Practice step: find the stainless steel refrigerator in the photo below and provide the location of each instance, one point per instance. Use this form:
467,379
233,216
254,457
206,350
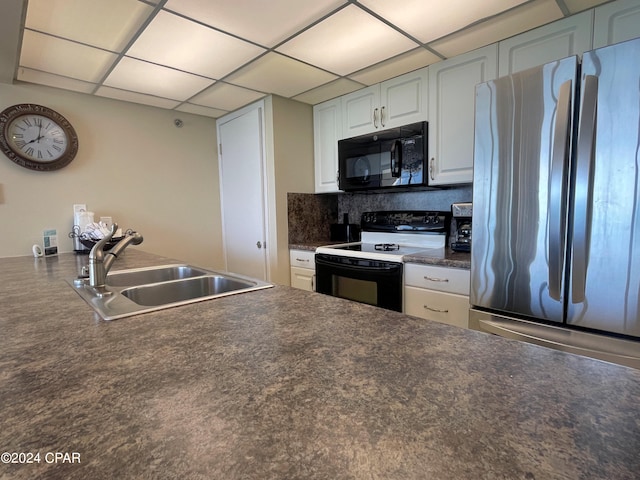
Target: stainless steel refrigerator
556,205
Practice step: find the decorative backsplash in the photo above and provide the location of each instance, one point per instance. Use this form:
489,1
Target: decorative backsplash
310,215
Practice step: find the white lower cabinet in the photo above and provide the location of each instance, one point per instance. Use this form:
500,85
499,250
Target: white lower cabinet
437,293
303,269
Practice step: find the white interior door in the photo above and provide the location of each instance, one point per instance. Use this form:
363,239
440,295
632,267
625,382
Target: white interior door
242,192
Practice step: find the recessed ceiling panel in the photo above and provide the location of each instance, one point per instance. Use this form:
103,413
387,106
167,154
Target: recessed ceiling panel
347,41
519,20
109,25
135,97
226,97
144,77
280,75
65,58
335,89
65,83
200,110
264,22
179,43
428,20
576,6
407,62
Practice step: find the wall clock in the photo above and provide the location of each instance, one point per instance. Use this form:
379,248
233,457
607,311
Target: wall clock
37,137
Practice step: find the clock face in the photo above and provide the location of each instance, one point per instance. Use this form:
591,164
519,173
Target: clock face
37,137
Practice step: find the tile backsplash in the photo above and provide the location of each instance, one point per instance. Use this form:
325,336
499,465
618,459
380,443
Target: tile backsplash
310,215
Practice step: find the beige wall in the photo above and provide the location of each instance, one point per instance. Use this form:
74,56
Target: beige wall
289,131
133,164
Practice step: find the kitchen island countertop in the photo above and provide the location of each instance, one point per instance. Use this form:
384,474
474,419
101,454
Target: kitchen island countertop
287,384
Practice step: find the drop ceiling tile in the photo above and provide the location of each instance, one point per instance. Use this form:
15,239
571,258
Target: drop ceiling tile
576,6
109,25
518,20
347,41
226,97
180,43
50,80
200,110
264,22
135,97
428,20
334,89
281,75
65,58
394,67
143,77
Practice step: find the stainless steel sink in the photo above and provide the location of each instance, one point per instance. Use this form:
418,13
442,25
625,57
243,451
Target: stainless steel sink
181,290
141,290
141,276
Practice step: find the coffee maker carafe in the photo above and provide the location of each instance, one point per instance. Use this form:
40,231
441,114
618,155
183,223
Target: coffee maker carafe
462,213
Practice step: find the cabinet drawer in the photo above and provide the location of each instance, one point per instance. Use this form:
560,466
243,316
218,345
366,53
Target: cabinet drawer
303,278
441,307
451,280
303,259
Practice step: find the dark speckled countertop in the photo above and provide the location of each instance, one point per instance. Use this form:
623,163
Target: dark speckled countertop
287,384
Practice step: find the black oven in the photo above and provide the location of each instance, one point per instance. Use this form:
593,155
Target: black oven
386,159
374,282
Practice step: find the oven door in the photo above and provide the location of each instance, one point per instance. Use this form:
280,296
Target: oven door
374,282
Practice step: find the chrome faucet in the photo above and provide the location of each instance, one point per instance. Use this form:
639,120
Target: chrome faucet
100,261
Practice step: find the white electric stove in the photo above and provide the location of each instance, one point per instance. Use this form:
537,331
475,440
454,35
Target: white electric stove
370,271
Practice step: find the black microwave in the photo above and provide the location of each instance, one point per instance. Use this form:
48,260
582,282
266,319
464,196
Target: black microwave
391,158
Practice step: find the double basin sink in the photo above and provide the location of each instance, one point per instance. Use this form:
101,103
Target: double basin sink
140,290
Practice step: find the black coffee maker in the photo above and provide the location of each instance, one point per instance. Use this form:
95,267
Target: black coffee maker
462,213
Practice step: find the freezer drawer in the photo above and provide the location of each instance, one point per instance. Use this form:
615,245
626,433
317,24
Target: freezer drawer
610,349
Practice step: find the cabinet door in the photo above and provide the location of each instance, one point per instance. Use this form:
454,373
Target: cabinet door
561,39
451,113
358,109
327,130
616,22
440,307
403,100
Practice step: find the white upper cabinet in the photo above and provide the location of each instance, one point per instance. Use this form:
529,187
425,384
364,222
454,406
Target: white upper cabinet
393,103
327,130
566,37
616,22
451,113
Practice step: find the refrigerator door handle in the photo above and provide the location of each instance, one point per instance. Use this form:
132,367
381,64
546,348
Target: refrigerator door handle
583,188
557,190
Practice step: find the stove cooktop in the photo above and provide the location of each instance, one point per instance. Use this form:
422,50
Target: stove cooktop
392,235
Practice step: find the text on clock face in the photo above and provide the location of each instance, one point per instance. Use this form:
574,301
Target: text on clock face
38,137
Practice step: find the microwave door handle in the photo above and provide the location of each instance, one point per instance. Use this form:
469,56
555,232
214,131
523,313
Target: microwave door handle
583,188
557,191
396,158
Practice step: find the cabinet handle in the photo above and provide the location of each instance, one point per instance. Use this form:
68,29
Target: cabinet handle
302,260
382,116
431,162
436,279
259,244
375,118
436,310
